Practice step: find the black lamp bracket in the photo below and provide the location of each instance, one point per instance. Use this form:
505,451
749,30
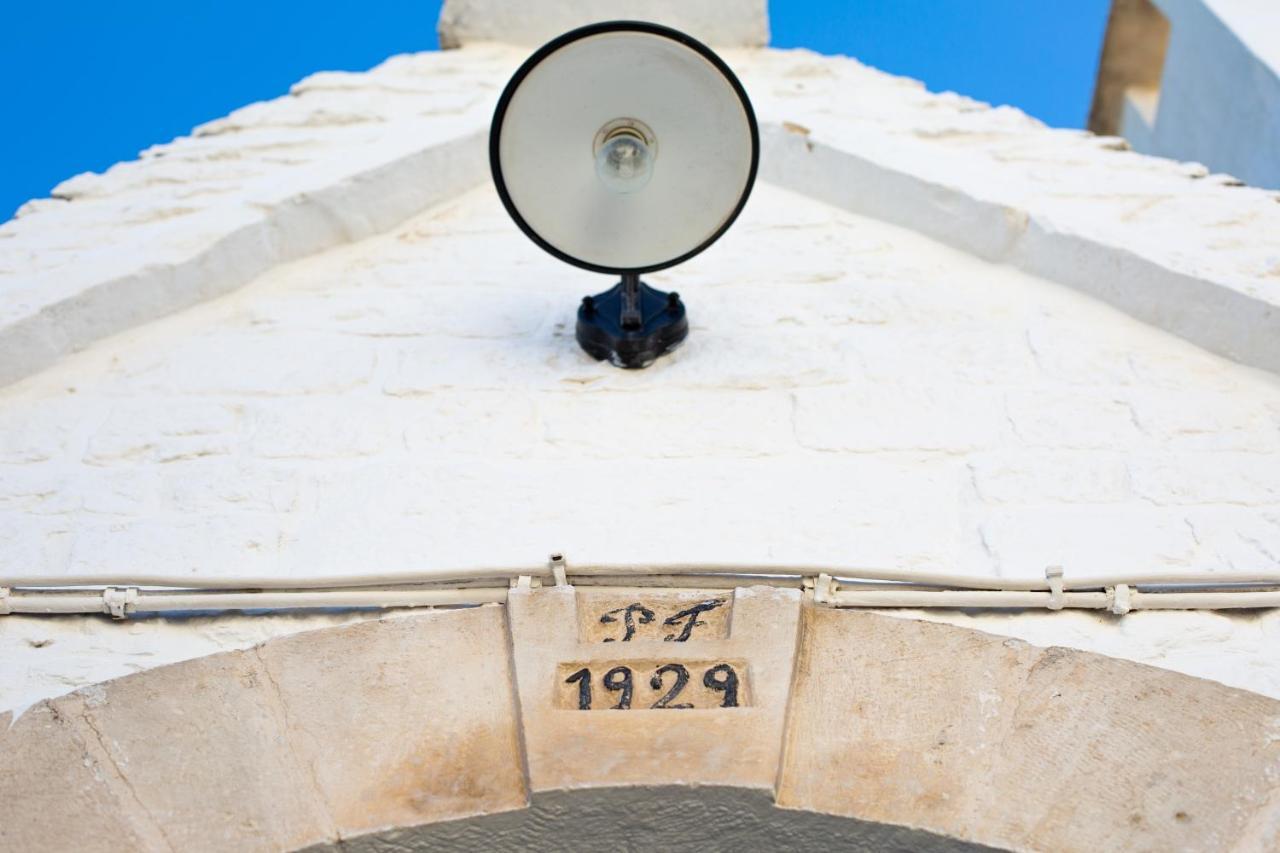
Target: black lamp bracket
631,324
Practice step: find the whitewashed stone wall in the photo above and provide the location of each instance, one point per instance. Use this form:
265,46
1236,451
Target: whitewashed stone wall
854,392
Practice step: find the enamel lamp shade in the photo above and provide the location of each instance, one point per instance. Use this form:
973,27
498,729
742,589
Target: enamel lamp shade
623,148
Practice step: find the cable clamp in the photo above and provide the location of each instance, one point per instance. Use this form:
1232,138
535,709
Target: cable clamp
824,589
559,569
1119,599
5,607
1057,599
526,582
120,601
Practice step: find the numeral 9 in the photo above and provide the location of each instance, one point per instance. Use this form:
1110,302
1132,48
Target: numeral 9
728,685
619,678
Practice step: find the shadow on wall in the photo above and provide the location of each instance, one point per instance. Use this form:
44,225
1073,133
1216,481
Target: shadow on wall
649,818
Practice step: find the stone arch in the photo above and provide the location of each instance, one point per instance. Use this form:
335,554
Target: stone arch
884,730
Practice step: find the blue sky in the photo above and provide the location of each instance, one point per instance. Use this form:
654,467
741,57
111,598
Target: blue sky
90,83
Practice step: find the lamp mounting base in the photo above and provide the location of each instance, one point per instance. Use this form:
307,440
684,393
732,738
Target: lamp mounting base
631,324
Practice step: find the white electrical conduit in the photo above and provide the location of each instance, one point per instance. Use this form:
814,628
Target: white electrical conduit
999,599
1120,594
630,574
121,602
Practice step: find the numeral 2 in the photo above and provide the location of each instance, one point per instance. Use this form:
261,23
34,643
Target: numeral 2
682,678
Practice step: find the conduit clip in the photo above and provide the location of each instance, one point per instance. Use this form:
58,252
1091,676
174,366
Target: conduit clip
1119,599
824,589
526,582
5,608
559,569
1057,600
120,601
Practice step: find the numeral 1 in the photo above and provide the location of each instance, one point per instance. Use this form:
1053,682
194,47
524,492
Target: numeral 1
583,677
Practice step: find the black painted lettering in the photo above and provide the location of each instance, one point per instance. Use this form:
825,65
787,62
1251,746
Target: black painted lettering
628,619
583,677
619,679
691,616
682,678
728,685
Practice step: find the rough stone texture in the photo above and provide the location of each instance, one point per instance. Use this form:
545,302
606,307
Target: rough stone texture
368,733
997,742
726,23
59,792
203,750
852,395
570,748
878,400
602,616
407,721
342,157
304,739
992,423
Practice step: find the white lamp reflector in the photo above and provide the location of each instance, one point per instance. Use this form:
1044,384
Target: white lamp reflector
624,147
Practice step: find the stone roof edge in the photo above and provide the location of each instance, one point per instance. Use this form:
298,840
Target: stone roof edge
356,205
1214,314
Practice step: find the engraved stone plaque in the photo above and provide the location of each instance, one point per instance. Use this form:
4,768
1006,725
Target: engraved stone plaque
653,685
672,616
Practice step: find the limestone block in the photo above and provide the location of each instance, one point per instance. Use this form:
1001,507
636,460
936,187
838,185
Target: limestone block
405,720
995,741
57,794
717,22
897,418
611,733
178,429
658,423
884,722
1071,420
1219,421
202,748
1017,476
1194,478
1088,539
1168,763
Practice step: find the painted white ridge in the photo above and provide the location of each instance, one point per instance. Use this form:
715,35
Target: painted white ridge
1240,323
342,157
349,155
1188,252
739,23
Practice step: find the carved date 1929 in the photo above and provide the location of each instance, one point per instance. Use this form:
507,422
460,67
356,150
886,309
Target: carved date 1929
720,678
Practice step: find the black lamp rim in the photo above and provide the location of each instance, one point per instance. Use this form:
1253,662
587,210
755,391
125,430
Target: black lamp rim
499,115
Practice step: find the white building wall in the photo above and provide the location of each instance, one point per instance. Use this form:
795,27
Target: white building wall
1219,100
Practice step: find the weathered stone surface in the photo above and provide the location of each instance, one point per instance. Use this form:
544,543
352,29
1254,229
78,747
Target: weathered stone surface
57,792
570,748
624,614
996,741
382,726
403,721
202,748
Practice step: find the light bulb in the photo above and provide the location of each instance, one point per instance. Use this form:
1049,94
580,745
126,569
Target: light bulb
624,156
